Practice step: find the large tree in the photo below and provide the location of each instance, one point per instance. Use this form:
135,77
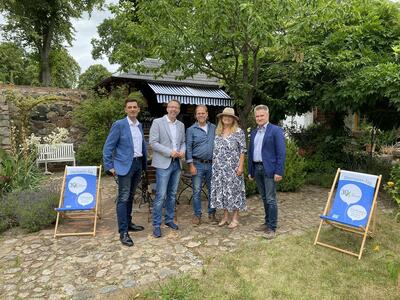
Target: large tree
292,55
345,60
224,39
64,69
17,66
43,25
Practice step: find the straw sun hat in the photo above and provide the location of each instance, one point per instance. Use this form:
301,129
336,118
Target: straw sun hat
228,111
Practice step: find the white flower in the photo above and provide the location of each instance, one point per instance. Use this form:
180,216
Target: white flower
58,136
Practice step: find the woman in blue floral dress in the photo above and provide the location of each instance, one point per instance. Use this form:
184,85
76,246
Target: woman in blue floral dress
227,183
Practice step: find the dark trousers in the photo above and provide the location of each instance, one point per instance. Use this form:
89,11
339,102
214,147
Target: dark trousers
126,190
267,188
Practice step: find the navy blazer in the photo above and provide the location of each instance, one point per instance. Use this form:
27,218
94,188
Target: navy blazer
118,148
273,151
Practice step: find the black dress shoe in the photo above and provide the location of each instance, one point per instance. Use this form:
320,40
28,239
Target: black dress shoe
126,239
133,227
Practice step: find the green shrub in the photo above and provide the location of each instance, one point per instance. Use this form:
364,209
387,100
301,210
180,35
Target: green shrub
8,213
40,215
294,176
317,164
320,179
251,187
362,162
393,186
322,141
96,115
32,210
18,172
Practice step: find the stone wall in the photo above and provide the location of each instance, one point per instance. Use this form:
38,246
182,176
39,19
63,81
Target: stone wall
4,124
45,117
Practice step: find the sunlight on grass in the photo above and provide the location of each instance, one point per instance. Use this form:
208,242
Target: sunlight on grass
291,267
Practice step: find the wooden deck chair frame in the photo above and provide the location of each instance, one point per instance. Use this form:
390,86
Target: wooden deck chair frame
364,232
90,214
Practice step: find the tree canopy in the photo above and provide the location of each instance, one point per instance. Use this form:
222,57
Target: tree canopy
17,66
43,25
291,55
344,60
223,39
92,76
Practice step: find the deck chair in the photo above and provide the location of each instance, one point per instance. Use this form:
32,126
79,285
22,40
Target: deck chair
80,197
352,208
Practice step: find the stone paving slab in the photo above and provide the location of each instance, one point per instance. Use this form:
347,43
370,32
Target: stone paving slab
37,266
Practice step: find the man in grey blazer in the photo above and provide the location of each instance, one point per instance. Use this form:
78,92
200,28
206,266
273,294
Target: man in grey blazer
167,139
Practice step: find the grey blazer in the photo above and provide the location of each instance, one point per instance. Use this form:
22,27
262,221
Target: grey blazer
160,140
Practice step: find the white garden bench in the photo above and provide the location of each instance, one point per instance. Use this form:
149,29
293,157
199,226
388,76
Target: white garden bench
55,153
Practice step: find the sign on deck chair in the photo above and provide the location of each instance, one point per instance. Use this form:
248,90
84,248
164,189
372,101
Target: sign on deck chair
353,206
80,197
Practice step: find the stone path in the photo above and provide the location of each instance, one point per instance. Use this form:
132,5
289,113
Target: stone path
37,266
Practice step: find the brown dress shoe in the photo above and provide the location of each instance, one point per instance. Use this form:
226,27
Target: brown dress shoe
196,221
262,227
270,234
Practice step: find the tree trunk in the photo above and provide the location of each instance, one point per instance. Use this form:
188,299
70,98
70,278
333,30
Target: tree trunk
45,75
44,51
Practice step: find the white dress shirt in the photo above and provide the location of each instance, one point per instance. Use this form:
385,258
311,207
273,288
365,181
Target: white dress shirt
137,137
172,128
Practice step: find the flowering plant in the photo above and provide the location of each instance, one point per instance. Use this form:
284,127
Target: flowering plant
393,186
58,136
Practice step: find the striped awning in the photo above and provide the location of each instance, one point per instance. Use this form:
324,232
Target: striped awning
191,95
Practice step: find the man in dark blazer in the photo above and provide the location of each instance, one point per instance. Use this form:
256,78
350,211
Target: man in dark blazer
266,162
124,156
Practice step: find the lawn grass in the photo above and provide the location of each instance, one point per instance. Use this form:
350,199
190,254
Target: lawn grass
291,267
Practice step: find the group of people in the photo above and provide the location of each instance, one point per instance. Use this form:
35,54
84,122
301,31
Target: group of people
215,155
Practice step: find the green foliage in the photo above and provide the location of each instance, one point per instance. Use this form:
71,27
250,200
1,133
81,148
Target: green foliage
251,186
8,216
18,172
294,176
43,26
40,214
92,76
181,288
393,186
327,144
16,65
341,56
176,34
31,210
96,114
65,69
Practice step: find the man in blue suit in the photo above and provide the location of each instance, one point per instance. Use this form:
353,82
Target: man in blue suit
267,153
124,156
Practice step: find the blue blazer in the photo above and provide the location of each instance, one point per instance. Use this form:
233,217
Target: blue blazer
273,151
118,148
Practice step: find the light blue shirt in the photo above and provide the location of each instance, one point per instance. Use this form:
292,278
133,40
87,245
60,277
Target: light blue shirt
258,141
200,142
136,138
